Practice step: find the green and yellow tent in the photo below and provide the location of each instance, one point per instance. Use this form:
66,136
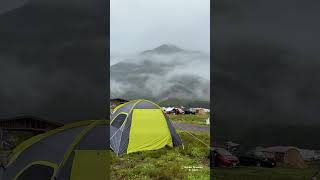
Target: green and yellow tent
77,151
141,125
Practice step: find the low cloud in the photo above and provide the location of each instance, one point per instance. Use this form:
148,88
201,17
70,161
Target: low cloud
178,75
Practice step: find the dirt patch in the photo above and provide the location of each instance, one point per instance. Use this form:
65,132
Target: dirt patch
191,127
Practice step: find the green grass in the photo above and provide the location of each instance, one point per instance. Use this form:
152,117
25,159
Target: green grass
167,163
189,118
253,173
314,164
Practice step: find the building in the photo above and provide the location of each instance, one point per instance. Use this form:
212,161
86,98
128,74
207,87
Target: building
16,129
28,123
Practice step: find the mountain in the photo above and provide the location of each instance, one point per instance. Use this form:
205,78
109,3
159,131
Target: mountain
164,49
161,75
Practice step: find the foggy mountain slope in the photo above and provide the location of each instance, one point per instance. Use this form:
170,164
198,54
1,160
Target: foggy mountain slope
52,64
266,95
266,74
9,5
164,72
267,64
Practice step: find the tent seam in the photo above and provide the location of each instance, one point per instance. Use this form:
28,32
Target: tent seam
126,122
74,143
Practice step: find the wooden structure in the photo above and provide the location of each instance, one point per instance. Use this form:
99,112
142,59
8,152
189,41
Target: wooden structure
28,123
14,130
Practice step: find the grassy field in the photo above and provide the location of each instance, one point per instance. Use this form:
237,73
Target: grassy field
192,162
253,173
189,118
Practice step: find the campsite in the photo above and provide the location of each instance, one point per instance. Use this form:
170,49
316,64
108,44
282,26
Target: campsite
265,163
264,173
190,161
160,146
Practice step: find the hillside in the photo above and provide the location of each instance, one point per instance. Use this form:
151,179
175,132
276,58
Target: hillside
164,72
185,103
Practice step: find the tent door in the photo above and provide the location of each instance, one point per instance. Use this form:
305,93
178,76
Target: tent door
149,130
90,164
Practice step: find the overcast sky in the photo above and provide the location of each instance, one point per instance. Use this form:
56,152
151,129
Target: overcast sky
144,24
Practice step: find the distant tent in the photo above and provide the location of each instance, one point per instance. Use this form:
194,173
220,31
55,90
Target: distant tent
141,125
285,155
76,151
200,110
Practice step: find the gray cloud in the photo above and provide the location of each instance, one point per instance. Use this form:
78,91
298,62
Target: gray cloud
181,75
10,5
141,24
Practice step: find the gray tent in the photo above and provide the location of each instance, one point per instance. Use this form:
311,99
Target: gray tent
141,125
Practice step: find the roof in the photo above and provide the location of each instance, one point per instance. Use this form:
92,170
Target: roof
22,117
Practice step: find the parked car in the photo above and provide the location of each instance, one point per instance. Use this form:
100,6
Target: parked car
256,159
316,157
189,112
225,158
